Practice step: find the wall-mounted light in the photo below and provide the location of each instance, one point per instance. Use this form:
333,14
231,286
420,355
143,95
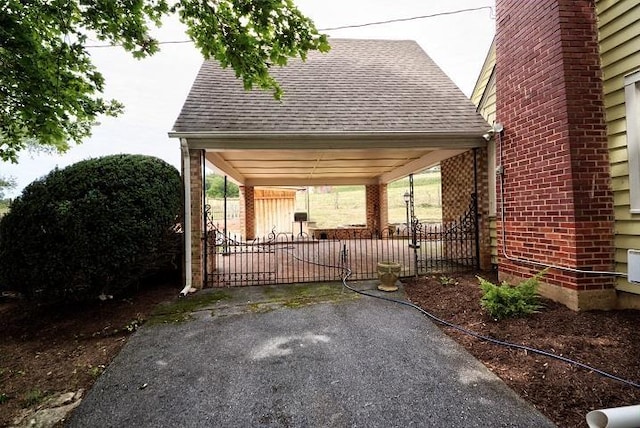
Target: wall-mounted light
495,129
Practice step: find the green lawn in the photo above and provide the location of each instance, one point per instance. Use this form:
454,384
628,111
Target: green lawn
344,205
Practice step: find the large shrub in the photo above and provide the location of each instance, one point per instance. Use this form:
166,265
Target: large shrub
96,227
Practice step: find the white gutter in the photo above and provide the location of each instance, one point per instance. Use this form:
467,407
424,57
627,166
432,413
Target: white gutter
186,168
266,135
296,141
618,417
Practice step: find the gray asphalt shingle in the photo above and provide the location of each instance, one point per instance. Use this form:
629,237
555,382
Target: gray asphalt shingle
360,85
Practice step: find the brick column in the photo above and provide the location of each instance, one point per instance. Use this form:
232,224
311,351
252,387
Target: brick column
247,212
377,207
197,253
558,198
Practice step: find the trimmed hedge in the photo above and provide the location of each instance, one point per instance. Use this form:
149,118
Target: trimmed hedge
96,227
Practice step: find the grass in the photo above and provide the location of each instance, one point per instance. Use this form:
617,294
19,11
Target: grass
180,310
300,295
332,206
33,398
342,205
95,371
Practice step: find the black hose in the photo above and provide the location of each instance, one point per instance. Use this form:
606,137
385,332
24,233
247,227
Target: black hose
495,341
347,274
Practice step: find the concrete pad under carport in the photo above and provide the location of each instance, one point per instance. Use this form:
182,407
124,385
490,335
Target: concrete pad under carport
328,360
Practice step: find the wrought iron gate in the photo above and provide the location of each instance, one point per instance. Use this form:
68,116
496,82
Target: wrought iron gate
282,258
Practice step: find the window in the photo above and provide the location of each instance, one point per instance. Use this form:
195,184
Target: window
632,103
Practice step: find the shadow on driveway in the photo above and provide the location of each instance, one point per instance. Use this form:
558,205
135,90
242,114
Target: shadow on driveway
302,355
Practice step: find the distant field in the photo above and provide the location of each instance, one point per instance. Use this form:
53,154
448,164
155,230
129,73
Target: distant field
344,205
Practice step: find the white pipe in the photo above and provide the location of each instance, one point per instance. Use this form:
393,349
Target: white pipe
504,229
617,417
186,221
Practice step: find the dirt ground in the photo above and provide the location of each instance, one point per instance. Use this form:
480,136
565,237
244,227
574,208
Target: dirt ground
44,351
608,341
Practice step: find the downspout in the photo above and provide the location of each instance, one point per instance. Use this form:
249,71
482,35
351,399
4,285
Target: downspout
475,207
617,417
186,171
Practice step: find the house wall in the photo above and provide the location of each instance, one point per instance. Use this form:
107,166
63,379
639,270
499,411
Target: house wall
484,93
554,151
484,98
619,38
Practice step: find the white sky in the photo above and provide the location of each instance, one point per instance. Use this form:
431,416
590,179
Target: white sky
154,89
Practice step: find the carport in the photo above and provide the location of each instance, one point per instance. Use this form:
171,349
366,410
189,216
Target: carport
367,113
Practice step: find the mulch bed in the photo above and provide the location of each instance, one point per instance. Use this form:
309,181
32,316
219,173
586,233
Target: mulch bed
609,341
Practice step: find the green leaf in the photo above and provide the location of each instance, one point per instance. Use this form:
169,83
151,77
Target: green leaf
50,89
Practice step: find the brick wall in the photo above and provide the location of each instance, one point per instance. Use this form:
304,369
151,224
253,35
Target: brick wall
558,200
377,207
457,175
247,212
341,233
197,254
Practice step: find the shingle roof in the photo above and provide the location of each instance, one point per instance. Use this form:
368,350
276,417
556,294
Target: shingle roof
359,86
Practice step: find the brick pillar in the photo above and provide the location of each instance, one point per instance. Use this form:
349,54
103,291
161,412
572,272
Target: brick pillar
377,212
558,198
247,212
458,184
197,253
383,214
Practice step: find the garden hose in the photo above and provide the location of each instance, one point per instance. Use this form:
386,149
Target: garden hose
347,273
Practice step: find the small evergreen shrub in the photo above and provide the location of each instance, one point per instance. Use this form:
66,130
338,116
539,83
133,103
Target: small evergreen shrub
507,301
447,281
96,227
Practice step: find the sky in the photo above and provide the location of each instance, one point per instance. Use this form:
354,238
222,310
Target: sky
154,89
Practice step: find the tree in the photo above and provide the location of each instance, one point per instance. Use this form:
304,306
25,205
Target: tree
6,183
50,90
214,187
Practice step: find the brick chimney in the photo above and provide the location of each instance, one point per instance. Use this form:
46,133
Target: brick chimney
557,192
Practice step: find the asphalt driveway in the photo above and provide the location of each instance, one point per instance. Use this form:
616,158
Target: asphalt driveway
294,356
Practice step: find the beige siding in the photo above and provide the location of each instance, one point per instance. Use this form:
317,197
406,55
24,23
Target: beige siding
619,32
493,233
484,93
484,98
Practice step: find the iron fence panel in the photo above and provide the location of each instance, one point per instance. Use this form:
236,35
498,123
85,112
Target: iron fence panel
282,258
